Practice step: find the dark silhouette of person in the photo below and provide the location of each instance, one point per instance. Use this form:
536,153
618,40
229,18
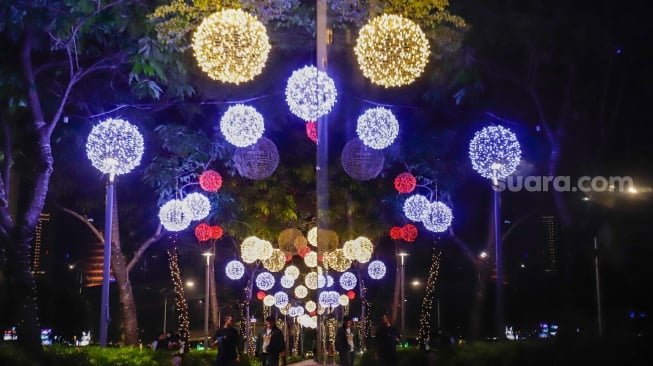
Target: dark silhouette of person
227,340
273,344
344,342
387,337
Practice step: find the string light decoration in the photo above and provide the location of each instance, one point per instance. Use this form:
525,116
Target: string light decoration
203,232
495,152
114,146
174,215
377,128
181,306
361,162
376,269
348,280
311,130
265,281
429,293
409,233
276,261
310,93
242,125
301,291
235,270
231,46
210,180
438,218
416,206
257,161
405,183
198,205
391,50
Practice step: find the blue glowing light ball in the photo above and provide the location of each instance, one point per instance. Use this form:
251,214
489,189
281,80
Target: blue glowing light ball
495,152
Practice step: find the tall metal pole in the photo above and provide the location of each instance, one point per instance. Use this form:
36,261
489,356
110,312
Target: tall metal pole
206,299
104,305
403,293
599,316
165,313
498,260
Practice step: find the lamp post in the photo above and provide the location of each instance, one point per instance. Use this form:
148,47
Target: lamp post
206,298
403,255
114,147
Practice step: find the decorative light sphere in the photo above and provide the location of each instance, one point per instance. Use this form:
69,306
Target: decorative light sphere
310,259
310,306
257,161
198,205
287,281
231,46
366,248
415,207
405,182
376,269
438,218
351,295
310,93
276,261
311,130
234,270
329,281
268,300
265,249
174,215
249,249
265,281
301,291
377,128
260,295
216,232
312,236
280,299
361,162
311,280
242,125
114,146
348,280
409,233
495,152
395,233
292,272
391,50
343,300
210,180
203,232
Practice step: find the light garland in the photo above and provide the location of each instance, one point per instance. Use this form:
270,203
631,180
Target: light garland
438,218
427,302
265,281
198,205
494,152
114,146
210,180
377,128
235,270
242,125
174,215
310,93
415,207
391,50
231,46
348,280
376,269
181,306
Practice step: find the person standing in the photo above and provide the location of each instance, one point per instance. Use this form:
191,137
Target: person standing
387,338
345,342
273,343
227,340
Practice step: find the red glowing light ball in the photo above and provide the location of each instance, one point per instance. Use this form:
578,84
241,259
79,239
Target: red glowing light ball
288,258
260,295
409,233
351,295
405,183
311,130
303,251
395,232
210,181
203,232
216,232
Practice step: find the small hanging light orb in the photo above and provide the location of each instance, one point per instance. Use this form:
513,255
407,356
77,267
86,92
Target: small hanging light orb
216,232
310,259
310,306
249,249
405,182
242,125
203,232
351,294
409,233
391,50
268,300
376,269
260,295
292,271
210,180
310,93
438,218
265,281
264,249
377,128
301,291
348,280
257,161
198,205
415,207
235,270
287,281
366,248
174,215
231,46
343,300
311,280
280,299
114,146
395,233
361,162
495,152
276,261
350,249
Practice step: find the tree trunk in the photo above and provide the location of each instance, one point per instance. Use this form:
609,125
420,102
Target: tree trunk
181,306
213,294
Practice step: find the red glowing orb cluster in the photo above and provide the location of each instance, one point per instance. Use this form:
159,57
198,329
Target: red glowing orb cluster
405,183
210,181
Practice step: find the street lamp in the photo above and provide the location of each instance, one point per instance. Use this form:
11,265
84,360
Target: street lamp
402,255
114,147
206,298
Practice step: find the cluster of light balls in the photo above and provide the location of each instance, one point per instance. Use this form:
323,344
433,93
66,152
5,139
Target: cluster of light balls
391,50
253,248
114,146
494,152
310,93
176,215
436,216
242,125
359,249
231,46
377,128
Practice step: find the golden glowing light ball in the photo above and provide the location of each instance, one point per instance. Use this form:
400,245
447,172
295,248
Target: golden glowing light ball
391,50
231,46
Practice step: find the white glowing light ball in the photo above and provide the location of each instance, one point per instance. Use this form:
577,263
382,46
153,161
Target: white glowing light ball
234,270
265,281
495,152
438,217
114,146
268,300
348,280
310,306
310,259
377,128
292,271
280,299
287,281
376,269
311,280
343,300
310,93
416,206
311,236
242,125
198,205
174,215
301,291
